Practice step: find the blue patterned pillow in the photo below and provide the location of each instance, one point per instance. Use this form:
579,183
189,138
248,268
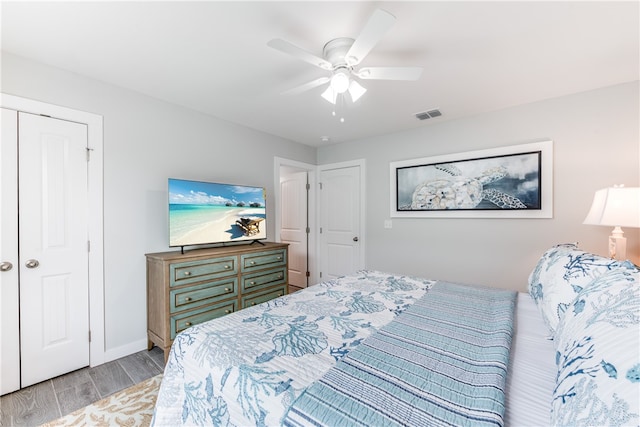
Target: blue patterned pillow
561,273
598,354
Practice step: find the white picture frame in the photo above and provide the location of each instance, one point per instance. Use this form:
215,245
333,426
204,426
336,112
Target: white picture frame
473,184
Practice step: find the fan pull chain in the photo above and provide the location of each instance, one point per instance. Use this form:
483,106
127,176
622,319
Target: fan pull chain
339,105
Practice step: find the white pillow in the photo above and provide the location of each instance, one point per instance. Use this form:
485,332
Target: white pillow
598,354
561,273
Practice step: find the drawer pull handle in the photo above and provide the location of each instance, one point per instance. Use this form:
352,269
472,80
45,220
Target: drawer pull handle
227,311
252,283
227,266
187,324
227,289
279,258
187,273
252,263
187,299
253,303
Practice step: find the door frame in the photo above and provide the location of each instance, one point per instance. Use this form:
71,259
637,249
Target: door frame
279,162
361,235
94,124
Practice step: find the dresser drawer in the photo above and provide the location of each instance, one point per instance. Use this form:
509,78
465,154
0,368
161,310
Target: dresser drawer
263,279
260,297
260,260
182,321
196,271
205,293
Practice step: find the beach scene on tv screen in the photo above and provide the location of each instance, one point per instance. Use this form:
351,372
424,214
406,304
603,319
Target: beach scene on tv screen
203,212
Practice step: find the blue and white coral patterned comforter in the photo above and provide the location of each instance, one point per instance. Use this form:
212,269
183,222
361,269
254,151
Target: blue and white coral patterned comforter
248,367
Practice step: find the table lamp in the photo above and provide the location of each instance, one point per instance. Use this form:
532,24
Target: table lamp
616,206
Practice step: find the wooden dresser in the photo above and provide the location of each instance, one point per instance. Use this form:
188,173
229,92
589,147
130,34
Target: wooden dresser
202,284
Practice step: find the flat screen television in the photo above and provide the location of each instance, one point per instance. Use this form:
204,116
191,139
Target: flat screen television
207,212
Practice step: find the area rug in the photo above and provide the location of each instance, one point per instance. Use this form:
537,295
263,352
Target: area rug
130,407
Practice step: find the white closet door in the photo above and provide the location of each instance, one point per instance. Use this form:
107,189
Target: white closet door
293,196
341,235
53,224
9,316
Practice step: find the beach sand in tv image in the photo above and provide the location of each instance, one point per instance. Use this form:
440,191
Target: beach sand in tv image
201,213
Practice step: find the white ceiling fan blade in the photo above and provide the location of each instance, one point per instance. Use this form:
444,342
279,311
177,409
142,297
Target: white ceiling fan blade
307,86
286,47
378,24
356,90
390,73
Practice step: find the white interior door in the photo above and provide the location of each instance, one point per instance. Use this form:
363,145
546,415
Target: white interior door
340,222
293,208
53,224
9,315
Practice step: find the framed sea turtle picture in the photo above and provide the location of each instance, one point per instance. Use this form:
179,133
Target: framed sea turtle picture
505,182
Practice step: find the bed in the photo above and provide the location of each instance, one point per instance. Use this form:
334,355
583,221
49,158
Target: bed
373,348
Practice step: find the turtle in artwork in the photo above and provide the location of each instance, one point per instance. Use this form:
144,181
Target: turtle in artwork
460,192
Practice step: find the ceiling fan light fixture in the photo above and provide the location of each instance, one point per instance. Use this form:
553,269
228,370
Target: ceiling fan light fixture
330,95
340,81
356,90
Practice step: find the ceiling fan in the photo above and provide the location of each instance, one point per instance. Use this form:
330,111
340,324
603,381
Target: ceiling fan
341,58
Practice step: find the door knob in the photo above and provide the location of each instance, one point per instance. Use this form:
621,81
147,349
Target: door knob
355,239
6,266
32,263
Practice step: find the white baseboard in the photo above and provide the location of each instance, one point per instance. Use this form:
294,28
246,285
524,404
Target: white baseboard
125,350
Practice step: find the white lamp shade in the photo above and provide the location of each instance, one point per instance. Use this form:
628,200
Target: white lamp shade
615,206
356,90
330,95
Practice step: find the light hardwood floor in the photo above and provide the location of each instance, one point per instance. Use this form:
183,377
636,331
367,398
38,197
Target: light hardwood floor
60,396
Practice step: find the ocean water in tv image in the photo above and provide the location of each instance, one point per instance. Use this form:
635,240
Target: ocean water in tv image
204,212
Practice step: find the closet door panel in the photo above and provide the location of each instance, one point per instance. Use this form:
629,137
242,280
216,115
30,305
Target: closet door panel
54,297
9,316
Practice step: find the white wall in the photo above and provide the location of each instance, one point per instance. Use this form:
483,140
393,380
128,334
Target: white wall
147,141
596,144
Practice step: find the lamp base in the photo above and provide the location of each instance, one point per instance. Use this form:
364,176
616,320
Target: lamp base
617,245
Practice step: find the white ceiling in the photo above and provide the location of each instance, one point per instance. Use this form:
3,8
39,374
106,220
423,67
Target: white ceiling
213,56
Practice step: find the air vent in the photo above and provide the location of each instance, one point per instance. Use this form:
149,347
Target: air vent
428,114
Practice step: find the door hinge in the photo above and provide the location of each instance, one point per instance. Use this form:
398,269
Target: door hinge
88,245
89,150
89,336
308,186
308,274
320,230
307,230
321,274
320,185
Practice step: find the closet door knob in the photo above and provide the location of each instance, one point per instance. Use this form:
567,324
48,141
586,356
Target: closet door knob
32,263
6,266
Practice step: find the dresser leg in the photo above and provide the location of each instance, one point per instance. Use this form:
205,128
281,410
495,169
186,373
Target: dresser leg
149,344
